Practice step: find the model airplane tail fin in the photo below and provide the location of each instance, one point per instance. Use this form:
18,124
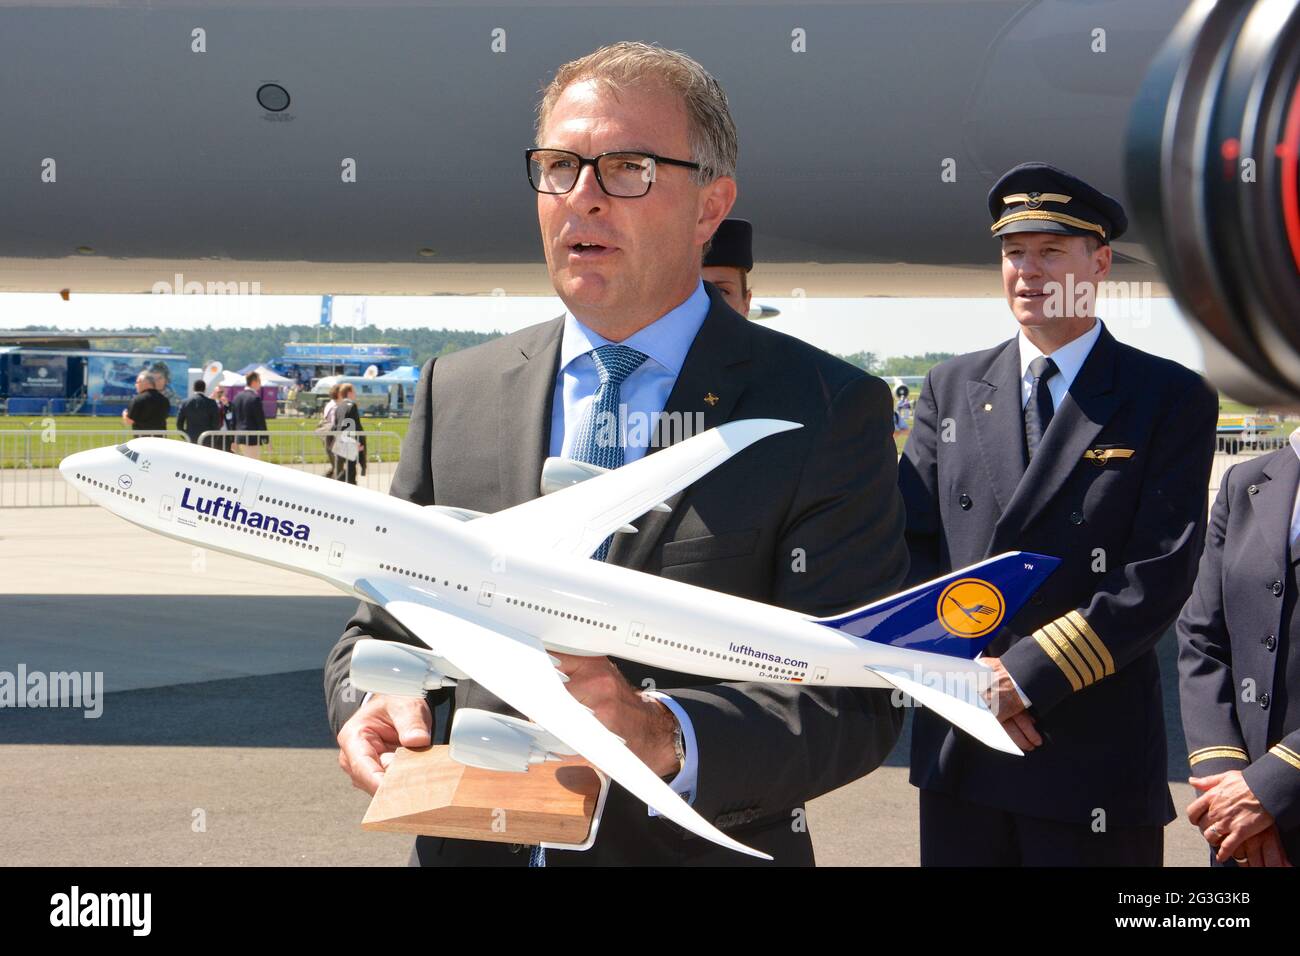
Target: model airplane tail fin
956,615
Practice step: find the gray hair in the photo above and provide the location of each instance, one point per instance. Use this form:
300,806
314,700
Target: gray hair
147,377
711,131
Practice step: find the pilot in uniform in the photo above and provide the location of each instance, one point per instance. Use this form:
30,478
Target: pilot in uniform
728,260
1239,664
1096,453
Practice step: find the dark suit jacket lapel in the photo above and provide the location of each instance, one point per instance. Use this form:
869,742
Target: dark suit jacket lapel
716,366
524,415
1271,508
1085,410
995,407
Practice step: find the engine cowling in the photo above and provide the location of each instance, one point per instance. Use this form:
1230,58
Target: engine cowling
480,738
386,667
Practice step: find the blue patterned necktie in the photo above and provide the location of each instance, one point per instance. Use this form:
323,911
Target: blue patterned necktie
600,436
600,442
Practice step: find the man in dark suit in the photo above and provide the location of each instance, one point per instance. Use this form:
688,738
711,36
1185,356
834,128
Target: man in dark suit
199,414
250,417
1239,667
1066,442
809,519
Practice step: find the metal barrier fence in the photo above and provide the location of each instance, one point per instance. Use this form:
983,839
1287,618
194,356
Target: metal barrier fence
29,458
1231,449
30,478
305,451
29,461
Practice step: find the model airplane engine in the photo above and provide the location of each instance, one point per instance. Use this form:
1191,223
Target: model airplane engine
385,667
491,741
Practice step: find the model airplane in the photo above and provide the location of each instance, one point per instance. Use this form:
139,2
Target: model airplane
491,595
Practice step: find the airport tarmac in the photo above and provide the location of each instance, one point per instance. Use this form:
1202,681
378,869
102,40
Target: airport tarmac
213,746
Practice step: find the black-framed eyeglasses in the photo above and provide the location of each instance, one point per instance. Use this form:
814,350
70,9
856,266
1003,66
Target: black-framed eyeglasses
624,174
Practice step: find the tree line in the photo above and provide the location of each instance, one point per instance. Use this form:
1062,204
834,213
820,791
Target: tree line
236,348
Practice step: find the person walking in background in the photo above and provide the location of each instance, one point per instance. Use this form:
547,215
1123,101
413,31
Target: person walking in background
326,426
250,417
199,414
227,424
348,449
148,410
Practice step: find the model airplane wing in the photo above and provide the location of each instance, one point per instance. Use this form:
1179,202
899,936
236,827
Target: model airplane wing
516,668
577,519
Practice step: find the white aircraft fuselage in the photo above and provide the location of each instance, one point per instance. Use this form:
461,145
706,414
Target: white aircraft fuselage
342,534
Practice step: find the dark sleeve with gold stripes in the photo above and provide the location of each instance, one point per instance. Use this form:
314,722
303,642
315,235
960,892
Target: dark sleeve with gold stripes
1275,780
1146,585
1206,687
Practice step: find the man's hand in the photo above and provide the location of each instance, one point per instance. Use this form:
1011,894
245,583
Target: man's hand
372,735
1008,707
645,724
1263,849
1227,814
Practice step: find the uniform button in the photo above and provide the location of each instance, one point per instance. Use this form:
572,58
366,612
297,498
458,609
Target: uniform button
1276,588
1252,489
1076,517
1270,642
965,502
1263,701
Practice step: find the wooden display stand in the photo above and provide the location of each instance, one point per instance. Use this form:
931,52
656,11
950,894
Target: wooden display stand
427,793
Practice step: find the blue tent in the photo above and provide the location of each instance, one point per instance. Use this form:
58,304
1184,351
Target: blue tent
403,374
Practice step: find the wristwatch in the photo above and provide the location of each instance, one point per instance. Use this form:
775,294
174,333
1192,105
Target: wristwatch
679,746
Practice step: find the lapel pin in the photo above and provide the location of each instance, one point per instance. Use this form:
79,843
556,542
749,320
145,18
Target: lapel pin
711,398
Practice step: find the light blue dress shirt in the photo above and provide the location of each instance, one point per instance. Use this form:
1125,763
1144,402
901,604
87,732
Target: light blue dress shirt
643,396
645,392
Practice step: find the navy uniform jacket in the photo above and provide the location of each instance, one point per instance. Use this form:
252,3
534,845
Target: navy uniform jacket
1129,530
1234,629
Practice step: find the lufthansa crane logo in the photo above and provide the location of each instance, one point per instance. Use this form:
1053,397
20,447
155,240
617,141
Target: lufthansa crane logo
970,608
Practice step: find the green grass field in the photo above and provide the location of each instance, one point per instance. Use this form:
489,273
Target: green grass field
35,442
295,444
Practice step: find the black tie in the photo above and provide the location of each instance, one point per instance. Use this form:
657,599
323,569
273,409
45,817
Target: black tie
1038,413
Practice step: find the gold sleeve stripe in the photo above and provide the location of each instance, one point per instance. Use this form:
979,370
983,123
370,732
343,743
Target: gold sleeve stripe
1071,654
1050,216
1236,750
1214,753
1287,754
1084,628
1081,644
1049,648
